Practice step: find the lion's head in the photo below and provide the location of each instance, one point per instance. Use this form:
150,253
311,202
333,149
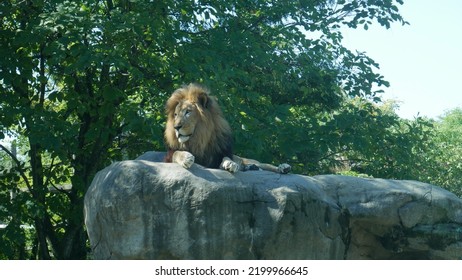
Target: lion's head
195,124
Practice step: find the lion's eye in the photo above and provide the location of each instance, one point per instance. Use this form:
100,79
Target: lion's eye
187,113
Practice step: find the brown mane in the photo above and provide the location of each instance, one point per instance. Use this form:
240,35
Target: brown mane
212,138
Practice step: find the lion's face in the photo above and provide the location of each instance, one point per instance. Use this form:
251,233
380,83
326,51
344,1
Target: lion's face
189,115
186,117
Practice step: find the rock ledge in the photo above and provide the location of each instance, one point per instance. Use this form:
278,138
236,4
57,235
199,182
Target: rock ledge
142,209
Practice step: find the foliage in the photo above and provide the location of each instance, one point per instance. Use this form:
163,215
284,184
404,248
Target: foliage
71,88
83,83
444,159
395,148
421,149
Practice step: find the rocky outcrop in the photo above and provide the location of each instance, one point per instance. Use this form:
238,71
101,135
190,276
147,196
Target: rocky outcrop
143,209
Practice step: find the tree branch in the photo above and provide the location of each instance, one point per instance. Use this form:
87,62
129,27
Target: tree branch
18,164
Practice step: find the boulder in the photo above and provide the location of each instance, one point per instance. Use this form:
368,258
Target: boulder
146,209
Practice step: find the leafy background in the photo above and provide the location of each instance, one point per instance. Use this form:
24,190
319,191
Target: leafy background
83,83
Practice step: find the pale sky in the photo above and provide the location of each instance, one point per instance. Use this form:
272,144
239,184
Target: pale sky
422,61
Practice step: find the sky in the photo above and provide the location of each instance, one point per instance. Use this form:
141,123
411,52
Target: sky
422,61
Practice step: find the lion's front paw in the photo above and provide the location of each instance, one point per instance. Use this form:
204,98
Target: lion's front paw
188,160
284,168
184,159
229,165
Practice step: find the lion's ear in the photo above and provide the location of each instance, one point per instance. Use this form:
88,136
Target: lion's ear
173,101
203,100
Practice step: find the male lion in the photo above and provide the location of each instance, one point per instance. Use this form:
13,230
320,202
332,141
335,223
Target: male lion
196,131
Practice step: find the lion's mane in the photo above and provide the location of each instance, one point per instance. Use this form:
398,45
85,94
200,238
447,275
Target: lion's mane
212,137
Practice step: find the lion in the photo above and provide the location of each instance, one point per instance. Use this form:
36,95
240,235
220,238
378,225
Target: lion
197,132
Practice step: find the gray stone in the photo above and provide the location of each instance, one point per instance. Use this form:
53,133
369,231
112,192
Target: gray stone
145,209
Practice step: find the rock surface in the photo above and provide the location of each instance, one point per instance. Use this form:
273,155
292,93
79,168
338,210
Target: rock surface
143,209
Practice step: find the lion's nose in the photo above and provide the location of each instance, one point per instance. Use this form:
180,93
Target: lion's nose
177,127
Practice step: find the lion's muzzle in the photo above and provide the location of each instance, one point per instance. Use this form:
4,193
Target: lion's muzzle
182,137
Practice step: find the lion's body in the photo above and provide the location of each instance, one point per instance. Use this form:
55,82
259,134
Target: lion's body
196,131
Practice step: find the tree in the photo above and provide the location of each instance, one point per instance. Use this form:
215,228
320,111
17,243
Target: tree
391,147
84,83
444,167
422,149
69,88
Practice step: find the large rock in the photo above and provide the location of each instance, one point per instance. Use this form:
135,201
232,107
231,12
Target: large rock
143,209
